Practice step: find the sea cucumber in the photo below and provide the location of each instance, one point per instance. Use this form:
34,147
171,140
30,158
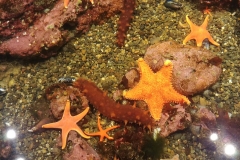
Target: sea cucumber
109,108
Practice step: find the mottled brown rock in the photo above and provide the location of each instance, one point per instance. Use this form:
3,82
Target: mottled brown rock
194,68
59,93
173,118
50,31
131,78
80,150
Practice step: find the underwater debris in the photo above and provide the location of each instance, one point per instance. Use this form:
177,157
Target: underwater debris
38,126
2,91
66,80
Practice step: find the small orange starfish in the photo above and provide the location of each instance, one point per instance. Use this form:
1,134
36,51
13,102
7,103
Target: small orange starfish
155,88
68,123
199,33
102,133
207,11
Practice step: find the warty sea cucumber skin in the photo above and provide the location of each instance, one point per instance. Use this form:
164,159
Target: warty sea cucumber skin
109,108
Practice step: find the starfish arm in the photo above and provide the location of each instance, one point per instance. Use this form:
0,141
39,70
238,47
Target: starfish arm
155,107
64,137
138,92
189,37
58,125
103,135
174,96
81,132
81,115
66,3
134,93
108,137
111,128
166,70
199,43
191,24
144,67
100,134
212,41
92,2
93,134
99,125
205,23
199,39
66,112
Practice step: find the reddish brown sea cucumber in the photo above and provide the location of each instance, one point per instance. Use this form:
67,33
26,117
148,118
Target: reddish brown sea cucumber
109,108
124,20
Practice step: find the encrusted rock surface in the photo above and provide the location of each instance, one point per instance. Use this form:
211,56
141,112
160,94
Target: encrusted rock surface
53,29
194,69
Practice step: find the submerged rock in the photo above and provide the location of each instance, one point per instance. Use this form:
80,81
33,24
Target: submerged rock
194,68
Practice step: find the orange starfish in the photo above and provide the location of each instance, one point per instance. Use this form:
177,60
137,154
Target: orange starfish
65,2
207,11
199,33
155,88
102,133
68,123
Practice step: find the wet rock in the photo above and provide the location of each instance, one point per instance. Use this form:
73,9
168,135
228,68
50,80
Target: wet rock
194,68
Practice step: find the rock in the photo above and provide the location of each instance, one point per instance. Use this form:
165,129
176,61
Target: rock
173,118
194,68
51,30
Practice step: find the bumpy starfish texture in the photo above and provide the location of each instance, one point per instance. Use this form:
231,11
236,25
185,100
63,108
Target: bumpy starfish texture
102,133
199,33
68,123
155,88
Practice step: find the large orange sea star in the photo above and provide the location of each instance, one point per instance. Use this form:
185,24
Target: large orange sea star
155,88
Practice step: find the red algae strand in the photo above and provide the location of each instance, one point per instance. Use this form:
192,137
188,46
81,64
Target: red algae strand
124,20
